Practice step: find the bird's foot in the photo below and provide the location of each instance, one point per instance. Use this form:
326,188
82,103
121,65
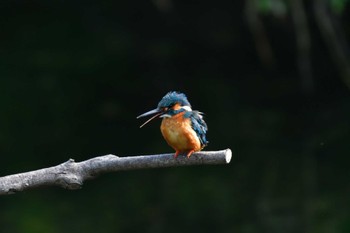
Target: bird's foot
190,153
176,154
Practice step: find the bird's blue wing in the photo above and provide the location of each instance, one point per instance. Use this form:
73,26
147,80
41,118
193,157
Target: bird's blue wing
198,125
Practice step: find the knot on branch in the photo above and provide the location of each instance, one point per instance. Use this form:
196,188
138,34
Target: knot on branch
69,181
70,176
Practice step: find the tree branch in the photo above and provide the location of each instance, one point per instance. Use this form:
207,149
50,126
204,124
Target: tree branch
335,40
303,44
71,175
256,26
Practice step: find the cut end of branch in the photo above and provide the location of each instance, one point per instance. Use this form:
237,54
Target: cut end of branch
228,155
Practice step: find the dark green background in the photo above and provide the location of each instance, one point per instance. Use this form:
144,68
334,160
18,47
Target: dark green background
75,74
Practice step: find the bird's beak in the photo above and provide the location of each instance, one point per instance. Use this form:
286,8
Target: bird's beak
156,111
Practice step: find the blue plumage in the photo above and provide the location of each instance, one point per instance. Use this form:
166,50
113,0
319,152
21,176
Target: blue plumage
183,128
198,125
173,97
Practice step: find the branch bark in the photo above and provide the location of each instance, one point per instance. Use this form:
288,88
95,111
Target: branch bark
71,175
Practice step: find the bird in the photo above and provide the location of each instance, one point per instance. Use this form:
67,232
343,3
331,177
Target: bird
182,128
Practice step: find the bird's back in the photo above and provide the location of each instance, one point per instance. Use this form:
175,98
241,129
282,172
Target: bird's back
198,125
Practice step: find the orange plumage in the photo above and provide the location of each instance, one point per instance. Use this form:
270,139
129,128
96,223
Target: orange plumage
183,128
178,133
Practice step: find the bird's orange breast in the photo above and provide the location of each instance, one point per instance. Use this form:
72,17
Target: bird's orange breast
178,133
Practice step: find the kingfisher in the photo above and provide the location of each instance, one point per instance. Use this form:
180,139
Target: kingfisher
182,128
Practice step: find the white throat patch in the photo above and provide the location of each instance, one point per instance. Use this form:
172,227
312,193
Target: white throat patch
187,108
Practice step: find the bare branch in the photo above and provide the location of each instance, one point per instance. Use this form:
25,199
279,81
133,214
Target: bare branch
71,175
335,40
303,41
256,26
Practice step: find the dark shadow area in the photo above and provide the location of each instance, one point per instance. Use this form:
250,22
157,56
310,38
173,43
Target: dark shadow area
272,80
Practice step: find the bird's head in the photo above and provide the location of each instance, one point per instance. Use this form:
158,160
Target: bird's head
171,104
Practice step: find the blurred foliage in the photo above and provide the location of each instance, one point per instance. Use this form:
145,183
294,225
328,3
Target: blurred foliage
275,7
75,74
279,7
339,6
